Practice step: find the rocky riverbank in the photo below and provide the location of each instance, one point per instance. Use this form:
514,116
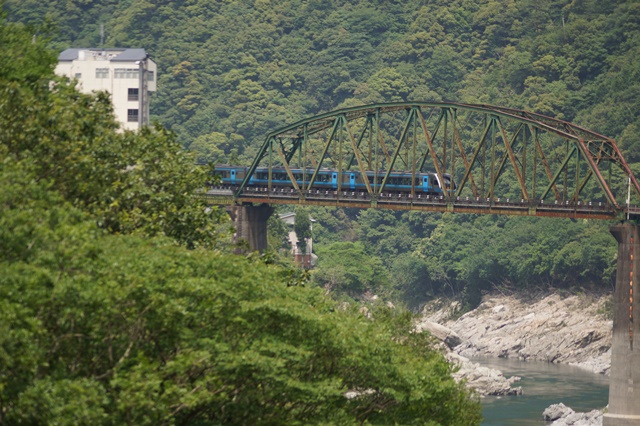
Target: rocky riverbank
561,415
572,330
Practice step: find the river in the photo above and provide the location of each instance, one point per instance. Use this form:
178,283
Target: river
542,384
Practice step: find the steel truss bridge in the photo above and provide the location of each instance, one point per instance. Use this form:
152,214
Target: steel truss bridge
504,161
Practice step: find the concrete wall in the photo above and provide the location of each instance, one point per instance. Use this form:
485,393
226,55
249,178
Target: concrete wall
624,388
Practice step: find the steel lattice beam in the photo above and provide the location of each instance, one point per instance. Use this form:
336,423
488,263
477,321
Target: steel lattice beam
472,143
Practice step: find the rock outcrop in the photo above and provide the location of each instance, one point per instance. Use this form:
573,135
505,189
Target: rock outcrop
561,415
568,330
440,332
484,380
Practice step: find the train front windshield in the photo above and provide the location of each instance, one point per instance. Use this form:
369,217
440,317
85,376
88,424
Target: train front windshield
447,182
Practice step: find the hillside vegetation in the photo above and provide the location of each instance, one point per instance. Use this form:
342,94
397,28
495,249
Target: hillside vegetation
120,304
231,71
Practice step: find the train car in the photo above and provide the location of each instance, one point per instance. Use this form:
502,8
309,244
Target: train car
427,183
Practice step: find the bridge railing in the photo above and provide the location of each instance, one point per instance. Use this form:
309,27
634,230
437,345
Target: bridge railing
226,194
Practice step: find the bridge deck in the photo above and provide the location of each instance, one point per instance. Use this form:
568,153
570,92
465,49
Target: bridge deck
225,195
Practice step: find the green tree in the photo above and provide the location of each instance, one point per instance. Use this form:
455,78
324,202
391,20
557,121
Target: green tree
347,268
92,333
104,319
302,227
131,182
208,150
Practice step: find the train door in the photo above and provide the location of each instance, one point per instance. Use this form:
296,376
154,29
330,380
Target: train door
425,183
352,180
233,177
334,180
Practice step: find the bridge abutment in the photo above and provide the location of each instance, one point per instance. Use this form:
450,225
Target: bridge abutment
624,387
251,225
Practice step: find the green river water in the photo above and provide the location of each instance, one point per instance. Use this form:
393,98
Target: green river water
543,384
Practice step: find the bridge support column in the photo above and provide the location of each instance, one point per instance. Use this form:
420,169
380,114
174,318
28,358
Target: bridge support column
624,386
251,225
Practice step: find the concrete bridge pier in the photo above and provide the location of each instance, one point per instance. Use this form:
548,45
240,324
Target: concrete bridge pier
624,386
251,225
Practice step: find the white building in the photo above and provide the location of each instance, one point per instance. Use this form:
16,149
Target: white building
127,74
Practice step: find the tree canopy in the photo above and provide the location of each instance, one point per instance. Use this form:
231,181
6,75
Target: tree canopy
230,72
116,307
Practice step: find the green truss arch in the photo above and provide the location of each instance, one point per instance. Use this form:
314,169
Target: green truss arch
502,160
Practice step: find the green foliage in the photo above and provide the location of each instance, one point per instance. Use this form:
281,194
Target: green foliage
91,333
104,319
23,63
462,256
131,183
302,226
276,62
347,267
522,253
412,280
277,233
222,91
333,225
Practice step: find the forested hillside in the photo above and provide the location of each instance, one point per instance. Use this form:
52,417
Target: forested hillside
231,71
120,303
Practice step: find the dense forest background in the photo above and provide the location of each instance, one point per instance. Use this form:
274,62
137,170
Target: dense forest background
231,71
122,304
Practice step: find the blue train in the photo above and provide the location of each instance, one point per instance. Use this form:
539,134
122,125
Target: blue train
427,183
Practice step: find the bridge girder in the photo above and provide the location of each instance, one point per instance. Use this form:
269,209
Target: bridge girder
491,152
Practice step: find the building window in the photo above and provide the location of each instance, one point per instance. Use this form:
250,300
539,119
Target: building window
133,95
126,73
78,75
102,72
150,75
132,115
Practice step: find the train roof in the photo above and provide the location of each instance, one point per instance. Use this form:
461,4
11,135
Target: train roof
403,173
